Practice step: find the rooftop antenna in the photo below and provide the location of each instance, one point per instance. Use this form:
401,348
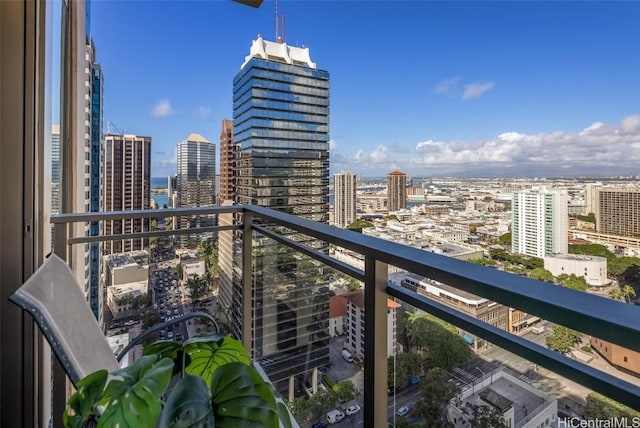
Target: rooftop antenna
113,129
279,38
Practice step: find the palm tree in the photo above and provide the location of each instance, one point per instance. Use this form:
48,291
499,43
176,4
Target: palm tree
628,292
616,294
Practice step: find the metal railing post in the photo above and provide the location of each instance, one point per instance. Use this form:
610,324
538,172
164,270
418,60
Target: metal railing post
375,343
59,394
247,280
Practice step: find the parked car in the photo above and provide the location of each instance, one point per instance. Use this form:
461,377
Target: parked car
335,416
347,356
352,410
414,380
402,411
319,425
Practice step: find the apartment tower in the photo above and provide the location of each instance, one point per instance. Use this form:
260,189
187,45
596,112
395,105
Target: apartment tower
396,191
94,109
196,177
281,129
539,223
127,186
227,156
344,192
618,211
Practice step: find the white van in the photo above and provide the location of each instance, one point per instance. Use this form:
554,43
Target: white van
347,356
335,416
538,329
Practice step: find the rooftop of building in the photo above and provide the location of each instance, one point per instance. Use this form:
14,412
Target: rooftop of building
396,173
130,288
577,257
337,306
357,298
140,258
279,52
447,289
197,138
525,399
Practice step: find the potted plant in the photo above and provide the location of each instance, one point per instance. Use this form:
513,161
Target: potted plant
213,384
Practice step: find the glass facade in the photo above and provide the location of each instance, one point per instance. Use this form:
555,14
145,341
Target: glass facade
95,204
281,133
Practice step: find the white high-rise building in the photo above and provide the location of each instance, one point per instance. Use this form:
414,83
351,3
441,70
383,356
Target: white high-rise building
344,190
539,223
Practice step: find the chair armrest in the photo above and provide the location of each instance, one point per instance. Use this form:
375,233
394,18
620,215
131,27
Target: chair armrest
165,324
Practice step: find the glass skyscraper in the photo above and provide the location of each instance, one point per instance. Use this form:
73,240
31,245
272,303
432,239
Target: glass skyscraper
281,132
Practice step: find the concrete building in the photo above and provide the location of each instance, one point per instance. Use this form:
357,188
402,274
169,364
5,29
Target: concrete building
396,191
521,405
337,316
592,268
124,268
591,197
281,130
126,187
196,161
227,159
55,169
539,223
192,266
172,191
124,300
355,324
623,358
344,191
372,204
483,309
618,211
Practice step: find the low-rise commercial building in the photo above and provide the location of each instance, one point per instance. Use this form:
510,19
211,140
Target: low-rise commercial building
123,268
623,358
520,404
124,300
592,268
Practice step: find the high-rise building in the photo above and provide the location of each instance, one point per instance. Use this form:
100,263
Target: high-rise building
281,129
55,169
344,193
618,211
590,197
196,177
127,186
94,108
227,156
172,191
539,223
396,191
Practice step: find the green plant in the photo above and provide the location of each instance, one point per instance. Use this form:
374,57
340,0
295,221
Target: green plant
216,386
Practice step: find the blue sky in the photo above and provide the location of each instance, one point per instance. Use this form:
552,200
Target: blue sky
430,88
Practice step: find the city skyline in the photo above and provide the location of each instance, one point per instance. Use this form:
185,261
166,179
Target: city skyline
432,88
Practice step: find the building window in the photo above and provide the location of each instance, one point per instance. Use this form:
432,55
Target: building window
625,359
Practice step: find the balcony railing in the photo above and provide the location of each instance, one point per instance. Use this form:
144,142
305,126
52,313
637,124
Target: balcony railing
602,318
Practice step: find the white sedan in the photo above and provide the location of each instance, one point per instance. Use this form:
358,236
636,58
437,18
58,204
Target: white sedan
352,410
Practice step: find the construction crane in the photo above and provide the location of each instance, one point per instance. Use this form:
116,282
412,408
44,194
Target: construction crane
111,128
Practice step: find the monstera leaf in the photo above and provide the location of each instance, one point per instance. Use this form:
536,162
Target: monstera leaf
189,405
84,401
241,398
169,349
206,355
134,399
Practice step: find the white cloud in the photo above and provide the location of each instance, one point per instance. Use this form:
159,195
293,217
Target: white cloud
333,146
475,89
446,85
597,144
204,112
597,148
162,109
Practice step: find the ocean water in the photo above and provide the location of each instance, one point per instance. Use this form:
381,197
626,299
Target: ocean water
159,182
161,200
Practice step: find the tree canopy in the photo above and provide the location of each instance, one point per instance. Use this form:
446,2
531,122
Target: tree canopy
562,339
445,347
358,225
505,239
541,274
407,364
437,392
603,408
